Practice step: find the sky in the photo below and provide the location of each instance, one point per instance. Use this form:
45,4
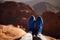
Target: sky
32,2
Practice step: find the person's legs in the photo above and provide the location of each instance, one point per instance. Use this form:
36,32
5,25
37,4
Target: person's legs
39,22
31,23
38,28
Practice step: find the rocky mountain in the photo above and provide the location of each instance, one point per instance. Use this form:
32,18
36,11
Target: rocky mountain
45,6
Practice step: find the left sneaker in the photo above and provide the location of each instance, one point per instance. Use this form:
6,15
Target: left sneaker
27,36
39,22
30,24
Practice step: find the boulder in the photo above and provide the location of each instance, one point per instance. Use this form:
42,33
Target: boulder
51,26
15,13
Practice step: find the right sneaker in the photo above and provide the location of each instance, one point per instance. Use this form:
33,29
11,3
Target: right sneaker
31,23
41,36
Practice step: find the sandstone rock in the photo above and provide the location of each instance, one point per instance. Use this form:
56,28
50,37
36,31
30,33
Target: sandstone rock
51,24
15,13
9,32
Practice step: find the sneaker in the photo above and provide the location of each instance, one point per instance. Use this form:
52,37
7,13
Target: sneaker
41,36
31,23
27,36
39,22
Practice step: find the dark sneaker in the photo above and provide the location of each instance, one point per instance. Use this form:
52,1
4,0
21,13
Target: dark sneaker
36,38
39,22
31,23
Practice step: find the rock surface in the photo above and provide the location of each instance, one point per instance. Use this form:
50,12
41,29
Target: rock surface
51,24
15,13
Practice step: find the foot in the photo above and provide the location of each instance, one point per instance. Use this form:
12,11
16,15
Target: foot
27,36
41,36
31,23
39,22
